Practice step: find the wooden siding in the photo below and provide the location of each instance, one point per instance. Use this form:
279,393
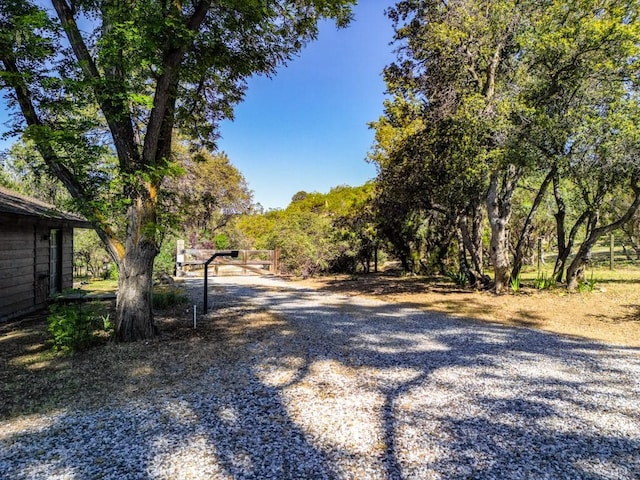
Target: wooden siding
67,258
17,267
24,265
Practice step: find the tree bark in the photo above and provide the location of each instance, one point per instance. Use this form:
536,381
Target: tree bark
471,242
134,308
134,300
499,203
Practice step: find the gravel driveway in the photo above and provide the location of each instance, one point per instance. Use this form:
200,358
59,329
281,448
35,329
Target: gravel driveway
346,388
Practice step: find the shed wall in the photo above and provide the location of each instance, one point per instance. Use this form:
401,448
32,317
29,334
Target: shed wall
24,265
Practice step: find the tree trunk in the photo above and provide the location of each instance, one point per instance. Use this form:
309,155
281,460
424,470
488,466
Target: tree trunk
499,202
575,271
134,301
499,253
563,248
134,309
471,239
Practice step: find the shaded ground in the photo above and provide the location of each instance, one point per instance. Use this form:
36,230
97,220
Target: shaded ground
610,313
285,382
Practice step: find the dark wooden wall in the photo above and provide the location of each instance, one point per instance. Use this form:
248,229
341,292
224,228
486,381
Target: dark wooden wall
24,264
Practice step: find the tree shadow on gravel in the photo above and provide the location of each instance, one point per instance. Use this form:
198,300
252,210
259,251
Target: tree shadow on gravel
279,383
492,401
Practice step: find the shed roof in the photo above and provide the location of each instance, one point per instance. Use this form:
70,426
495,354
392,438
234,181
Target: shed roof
15,204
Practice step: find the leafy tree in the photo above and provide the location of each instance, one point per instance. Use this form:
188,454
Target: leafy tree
583,97
24,171
316,232
356,230
460,60
89,253
141,69
506,90
206,194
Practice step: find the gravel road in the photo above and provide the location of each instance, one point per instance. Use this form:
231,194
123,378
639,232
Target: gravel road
335,387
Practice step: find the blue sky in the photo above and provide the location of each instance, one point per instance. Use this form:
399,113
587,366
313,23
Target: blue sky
306,128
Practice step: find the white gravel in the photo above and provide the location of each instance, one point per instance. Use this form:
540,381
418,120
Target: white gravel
346,388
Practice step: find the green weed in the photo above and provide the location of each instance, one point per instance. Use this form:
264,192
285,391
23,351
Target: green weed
167,298
585,286
515,285
459,278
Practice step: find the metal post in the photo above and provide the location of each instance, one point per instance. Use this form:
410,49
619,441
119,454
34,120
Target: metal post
206,287
232,254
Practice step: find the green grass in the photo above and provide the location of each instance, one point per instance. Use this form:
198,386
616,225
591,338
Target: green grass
100,286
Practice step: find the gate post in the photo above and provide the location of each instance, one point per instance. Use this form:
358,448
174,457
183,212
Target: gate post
179,258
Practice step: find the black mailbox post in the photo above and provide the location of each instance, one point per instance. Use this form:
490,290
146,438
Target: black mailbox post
230,253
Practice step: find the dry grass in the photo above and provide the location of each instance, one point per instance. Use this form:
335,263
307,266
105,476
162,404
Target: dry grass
610,313
34,379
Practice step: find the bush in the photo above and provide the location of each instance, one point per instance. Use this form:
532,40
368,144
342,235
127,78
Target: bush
167,298
165,262
71,326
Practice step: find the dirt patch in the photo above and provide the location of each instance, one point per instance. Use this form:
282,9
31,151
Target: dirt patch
610,313
34,379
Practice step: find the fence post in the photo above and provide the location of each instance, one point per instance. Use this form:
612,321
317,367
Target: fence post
179,258
612,244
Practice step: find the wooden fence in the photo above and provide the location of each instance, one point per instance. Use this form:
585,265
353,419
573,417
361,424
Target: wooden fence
190,262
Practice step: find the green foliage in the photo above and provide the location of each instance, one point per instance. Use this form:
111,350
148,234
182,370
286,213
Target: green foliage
107,324
542,282
165,261
168,297
205,195
513,96
459,278
515,285
72,327
586,286
317,232
89,256
221,241
101,86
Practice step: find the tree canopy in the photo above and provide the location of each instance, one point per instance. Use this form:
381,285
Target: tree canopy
102,85
488,93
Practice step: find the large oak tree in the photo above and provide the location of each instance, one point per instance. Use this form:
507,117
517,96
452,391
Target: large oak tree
96,80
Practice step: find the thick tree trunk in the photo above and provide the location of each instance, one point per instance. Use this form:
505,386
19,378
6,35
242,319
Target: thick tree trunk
575,271
134,304
134,312
499,203
499,247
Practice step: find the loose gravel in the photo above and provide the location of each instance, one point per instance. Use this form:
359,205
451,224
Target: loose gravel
336,387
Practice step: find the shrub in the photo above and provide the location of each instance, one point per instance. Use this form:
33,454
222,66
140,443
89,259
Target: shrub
71,326
167,298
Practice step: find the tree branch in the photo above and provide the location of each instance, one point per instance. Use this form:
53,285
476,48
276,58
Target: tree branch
16,80
116,112
157,142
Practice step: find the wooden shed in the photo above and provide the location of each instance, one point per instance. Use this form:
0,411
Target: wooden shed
36,252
